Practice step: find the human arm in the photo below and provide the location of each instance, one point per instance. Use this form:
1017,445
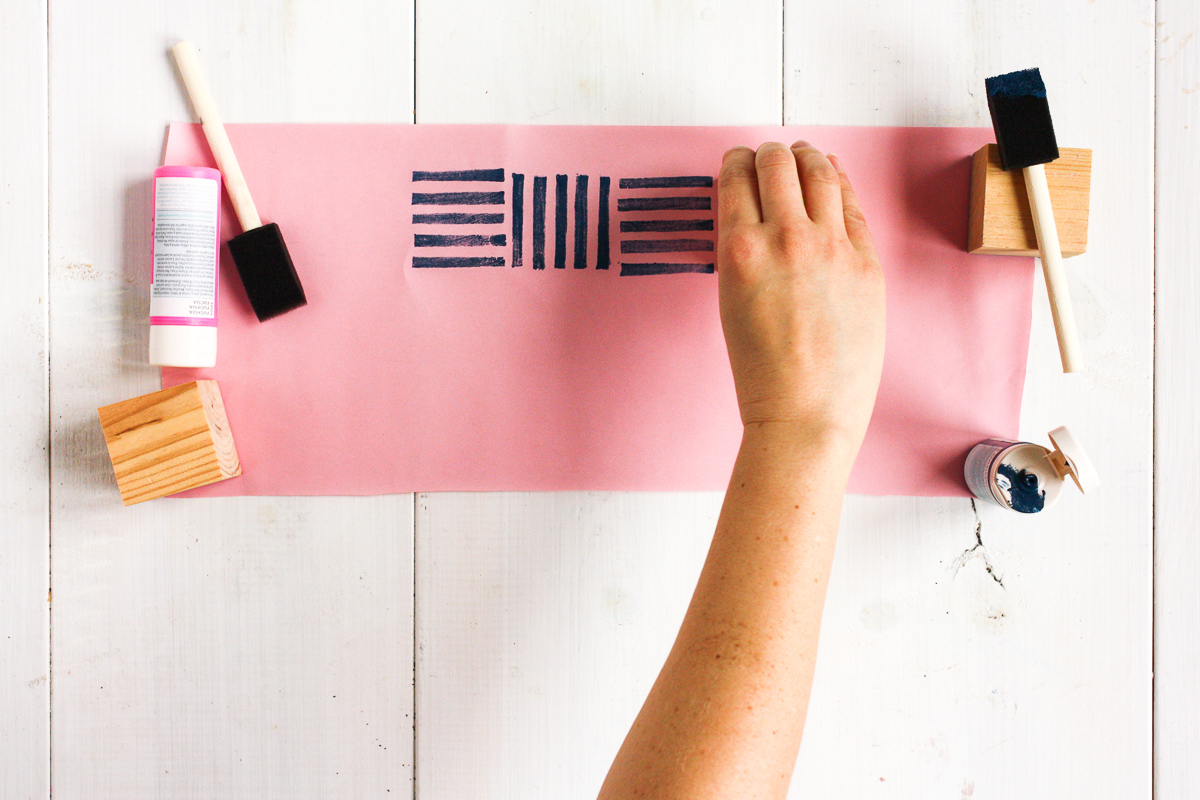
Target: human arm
801,295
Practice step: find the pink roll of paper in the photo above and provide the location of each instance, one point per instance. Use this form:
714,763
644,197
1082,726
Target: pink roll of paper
532,308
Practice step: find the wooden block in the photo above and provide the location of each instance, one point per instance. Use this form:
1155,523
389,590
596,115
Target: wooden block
1001,222
168,441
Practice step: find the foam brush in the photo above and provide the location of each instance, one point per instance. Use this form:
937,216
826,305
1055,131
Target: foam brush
1025,137
259,252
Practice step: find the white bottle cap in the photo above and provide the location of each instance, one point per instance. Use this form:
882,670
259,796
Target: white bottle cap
183,345
1070,459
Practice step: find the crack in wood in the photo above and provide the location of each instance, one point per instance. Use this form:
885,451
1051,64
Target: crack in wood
979,548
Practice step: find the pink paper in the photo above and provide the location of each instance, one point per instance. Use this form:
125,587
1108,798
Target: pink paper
401,379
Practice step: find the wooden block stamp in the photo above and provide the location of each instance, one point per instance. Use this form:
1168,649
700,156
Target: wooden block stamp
169,441
1001,222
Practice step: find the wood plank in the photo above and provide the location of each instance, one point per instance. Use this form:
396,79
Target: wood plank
543,619
938,678
25,421
215,647
1177,393
619,63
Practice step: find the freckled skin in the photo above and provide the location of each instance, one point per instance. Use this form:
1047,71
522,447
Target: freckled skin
802,307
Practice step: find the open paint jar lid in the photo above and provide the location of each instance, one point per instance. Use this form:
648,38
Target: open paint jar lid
1068,458
1028,477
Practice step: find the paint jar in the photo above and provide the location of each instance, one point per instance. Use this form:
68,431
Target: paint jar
185,255
1027,477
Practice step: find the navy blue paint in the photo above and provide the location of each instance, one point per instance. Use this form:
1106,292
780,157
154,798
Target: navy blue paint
437,240
663,203
1021,118
560,221
1023,490
581,226
675,182
458,219
458,198
457,261
539,222
663,225
639,268
1016,84
461,175
602,258
518,217
666,245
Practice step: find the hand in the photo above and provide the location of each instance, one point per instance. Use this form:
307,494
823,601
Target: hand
801,292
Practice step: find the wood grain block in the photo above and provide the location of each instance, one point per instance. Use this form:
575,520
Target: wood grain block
169,441
1001,222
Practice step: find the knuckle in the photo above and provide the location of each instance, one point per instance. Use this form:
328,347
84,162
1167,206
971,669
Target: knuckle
736,172
774,155
741,247
854,216
792,243
737,165
818,170
735,175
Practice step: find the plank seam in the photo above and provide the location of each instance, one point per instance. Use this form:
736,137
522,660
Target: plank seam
416,62
49,497
1153,781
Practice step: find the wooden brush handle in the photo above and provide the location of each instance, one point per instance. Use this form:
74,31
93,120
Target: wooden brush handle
1052,266
214,131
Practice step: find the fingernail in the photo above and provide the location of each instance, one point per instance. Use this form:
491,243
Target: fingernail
837,162
801,143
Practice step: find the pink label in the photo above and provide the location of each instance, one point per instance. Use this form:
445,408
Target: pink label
210,321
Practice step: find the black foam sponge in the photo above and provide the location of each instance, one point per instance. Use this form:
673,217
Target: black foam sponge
1021,119
267,271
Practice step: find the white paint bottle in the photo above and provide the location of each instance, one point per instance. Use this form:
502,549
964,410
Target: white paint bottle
1027,477
185,256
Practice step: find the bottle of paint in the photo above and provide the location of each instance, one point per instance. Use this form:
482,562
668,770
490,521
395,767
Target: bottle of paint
185,255
1027,477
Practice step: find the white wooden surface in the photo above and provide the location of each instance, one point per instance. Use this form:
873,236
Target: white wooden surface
24,409
264,646
1040,687
255,647
1177,399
